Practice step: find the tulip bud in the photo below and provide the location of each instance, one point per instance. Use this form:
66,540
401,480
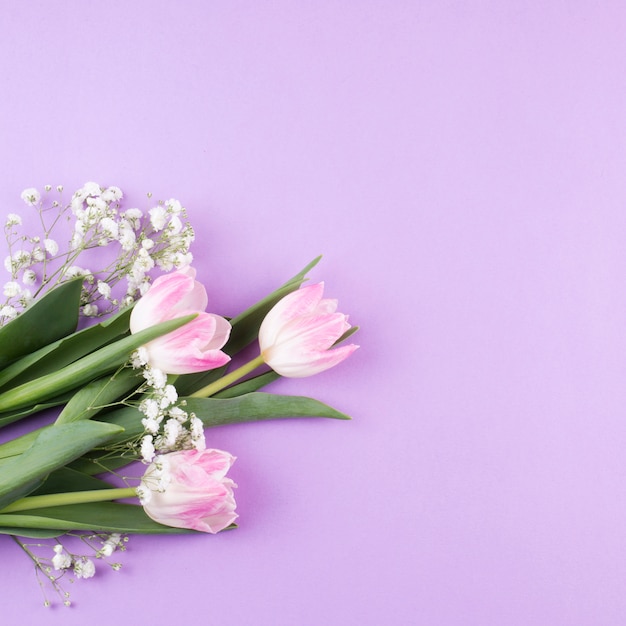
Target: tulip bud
297,334
195,347
189,489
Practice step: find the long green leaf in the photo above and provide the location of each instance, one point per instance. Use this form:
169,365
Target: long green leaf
250,407
97,517
95,396
17,414
64,480
54,448
86,369
248,386
49,318
60,353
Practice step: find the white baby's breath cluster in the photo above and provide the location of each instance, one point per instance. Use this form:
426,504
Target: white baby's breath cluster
65,562
94,218
167,426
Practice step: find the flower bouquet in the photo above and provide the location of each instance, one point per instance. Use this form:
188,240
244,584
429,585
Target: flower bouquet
137,369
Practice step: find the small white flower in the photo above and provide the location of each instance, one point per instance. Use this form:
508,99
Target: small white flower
171,431
139,358
107,549
91,189
8,311
11,289
151,425
158,218
155,377
13,220
174,206
147,449
104,289
61,560
31,196
127,237
26,296
144,494
170,394
29,277
51,246
150,408
178,414
111,194
175,225
84,568
21,258
110,227
134,217
90,310
147,244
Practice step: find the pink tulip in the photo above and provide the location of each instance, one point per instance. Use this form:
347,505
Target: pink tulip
192,490
195,347
298,332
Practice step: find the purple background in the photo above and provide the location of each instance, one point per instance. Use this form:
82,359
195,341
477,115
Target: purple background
462,167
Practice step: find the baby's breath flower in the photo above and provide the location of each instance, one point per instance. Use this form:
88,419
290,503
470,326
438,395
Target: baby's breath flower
171,430
144,493
61,560
8,311
104,289
158,218
11,289
84,568
90,310
31,196
155,377
29,277
147,448
150,408
13,220
51,246
111,194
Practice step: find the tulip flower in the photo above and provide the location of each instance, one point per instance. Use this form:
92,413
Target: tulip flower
195,347
189,489
297,334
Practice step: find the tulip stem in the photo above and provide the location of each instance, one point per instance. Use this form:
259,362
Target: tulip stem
230,378
74,497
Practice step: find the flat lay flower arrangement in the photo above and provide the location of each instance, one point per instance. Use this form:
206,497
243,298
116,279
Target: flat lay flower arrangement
137,369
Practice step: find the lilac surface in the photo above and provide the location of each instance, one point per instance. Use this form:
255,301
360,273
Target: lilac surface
462,168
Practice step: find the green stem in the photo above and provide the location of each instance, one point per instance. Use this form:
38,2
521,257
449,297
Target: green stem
230,378
75,497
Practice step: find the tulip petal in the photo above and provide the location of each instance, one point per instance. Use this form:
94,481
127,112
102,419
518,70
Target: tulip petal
297,365
299,303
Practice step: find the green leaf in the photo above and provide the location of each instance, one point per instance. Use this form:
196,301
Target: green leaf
97,517
257,406
64,480
95,396
13,416
52,449
249,385
84,370
60,353
213,411
49,318
31,533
